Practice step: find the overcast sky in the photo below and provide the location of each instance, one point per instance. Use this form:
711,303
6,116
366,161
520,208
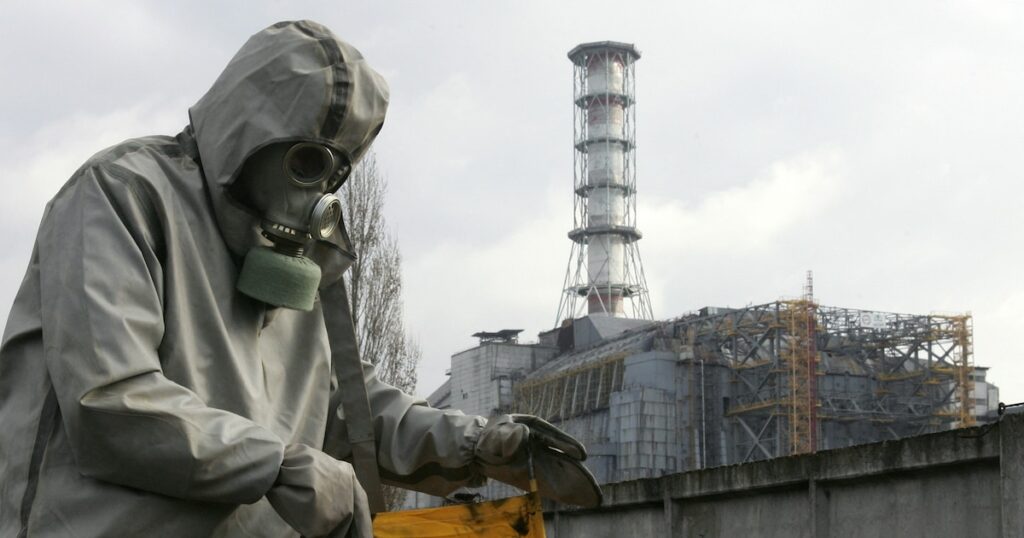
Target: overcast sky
878,144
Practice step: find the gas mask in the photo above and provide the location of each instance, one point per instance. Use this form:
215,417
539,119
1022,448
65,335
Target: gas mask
291,186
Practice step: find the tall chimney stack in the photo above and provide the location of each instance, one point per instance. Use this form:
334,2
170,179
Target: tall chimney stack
604,264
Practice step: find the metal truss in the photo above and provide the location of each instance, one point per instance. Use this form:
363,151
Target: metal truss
570,393
915,371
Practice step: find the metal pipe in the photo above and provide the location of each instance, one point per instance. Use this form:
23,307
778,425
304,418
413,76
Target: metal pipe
703,421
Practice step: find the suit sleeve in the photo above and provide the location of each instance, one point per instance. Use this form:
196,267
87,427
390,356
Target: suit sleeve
418,447
99,259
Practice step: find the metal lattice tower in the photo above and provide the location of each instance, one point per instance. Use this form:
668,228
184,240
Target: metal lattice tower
604,264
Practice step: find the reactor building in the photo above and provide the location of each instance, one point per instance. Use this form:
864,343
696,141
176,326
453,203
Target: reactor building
716,386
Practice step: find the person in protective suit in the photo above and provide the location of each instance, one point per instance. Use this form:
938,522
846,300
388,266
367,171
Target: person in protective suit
180,359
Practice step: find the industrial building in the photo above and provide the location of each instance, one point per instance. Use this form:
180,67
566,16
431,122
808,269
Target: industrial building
723,386
717,386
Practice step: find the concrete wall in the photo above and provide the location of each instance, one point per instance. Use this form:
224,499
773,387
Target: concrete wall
481,377
592,429
644,429
956,483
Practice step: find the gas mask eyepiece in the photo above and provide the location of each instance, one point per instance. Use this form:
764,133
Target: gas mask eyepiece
307,164
310,165
292,188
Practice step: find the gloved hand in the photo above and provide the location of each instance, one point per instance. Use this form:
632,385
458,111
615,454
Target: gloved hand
319,496
502,454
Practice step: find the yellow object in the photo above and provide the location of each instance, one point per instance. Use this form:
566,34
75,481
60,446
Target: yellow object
512,517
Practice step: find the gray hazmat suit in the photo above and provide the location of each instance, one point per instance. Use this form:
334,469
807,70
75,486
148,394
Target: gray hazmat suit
140,393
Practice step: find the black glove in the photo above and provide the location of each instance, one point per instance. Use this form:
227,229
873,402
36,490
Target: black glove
319,496
503,450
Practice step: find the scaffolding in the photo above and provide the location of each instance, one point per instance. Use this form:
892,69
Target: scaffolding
963,364
802,355
916,370
922,363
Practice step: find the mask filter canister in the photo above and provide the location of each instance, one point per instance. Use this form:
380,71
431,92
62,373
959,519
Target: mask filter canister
280,275
279,279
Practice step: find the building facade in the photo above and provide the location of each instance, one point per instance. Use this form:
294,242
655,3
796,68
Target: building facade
723,386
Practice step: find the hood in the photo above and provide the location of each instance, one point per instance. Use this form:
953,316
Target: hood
294,81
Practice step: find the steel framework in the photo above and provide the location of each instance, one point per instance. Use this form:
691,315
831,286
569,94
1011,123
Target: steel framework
916,370
571,392
604,266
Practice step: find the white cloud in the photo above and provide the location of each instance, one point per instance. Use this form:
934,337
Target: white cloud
791,192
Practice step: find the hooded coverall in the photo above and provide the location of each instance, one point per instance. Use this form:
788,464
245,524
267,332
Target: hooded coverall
140,393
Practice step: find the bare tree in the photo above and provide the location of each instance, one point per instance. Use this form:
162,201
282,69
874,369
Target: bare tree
375,286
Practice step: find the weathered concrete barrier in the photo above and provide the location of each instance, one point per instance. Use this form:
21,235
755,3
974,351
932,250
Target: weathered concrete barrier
959,483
